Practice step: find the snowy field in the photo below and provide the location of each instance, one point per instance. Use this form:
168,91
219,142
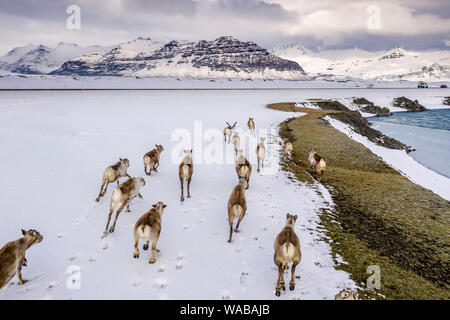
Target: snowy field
56,144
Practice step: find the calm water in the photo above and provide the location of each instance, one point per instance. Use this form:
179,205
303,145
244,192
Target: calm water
433,119
428,132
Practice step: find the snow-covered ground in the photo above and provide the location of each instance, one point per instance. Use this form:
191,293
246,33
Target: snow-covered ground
55,146
14,81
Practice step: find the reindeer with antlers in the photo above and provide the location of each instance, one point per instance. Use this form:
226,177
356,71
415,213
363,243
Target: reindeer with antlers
228,131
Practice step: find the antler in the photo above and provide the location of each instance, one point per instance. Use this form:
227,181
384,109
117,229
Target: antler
227,123
234,124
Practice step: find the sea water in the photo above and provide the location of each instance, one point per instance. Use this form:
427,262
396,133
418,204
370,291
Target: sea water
428,132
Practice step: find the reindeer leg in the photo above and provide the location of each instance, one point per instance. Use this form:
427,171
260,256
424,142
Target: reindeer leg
113,227
145,170
278,286
111,210
128,207
257,170
238,223
231,230
189,187
19,274
282,284
292,283
182,190
152,259
100,193
136,246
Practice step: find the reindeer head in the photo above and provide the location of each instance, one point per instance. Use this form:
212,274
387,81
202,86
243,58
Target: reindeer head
32,236
312,151
290,219
159,148
125,161
231,126
346,294
243,182
159,206
188,153
251,119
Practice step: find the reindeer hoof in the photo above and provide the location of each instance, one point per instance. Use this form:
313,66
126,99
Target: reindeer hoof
98,199
152,261
229,241
182,199
284,288
188,196
291,287
111,230
145,247
277,293
136,256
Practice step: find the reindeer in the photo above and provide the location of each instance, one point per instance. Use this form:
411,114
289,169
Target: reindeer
148,228
243,167
236,142
151,159
261,152
113,173
237,205
185,170
122,196
346,294
251,125
228,131
12,256
287,147
287,249
317,163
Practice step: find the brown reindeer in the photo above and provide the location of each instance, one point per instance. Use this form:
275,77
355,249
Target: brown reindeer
12,256
251,125
237,205
151,159
236,142
243,167
228,131
287,147
261,153
148,228
346,294
121,197
287,249
317,163
113,173
185,170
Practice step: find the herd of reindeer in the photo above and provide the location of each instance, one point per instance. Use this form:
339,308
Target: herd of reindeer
148,227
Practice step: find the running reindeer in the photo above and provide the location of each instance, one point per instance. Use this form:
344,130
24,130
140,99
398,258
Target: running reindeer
261,153
243,167
12,256
317,163
113,173
228,131
185,170
287,249
121,197
236,142
151,159
237,205
148,228
287,147
251,126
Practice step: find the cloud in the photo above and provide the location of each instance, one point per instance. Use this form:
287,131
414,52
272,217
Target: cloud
319,23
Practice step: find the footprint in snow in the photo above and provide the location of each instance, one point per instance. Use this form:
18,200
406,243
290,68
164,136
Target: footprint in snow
244,275
226,295
162,267
180,261
136,283
93,258
60,235
160,283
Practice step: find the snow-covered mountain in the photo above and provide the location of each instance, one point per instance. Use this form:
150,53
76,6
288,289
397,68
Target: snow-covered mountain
392,65
225,57
41,59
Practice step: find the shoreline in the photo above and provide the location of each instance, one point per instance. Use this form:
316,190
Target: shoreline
380,217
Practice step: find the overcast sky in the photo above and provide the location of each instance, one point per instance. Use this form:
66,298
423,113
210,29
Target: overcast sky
315,24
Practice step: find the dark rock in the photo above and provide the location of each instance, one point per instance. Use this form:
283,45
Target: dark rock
369,107
409,105
446,101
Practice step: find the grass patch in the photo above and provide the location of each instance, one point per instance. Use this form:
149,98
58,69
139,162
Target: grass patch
380,218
